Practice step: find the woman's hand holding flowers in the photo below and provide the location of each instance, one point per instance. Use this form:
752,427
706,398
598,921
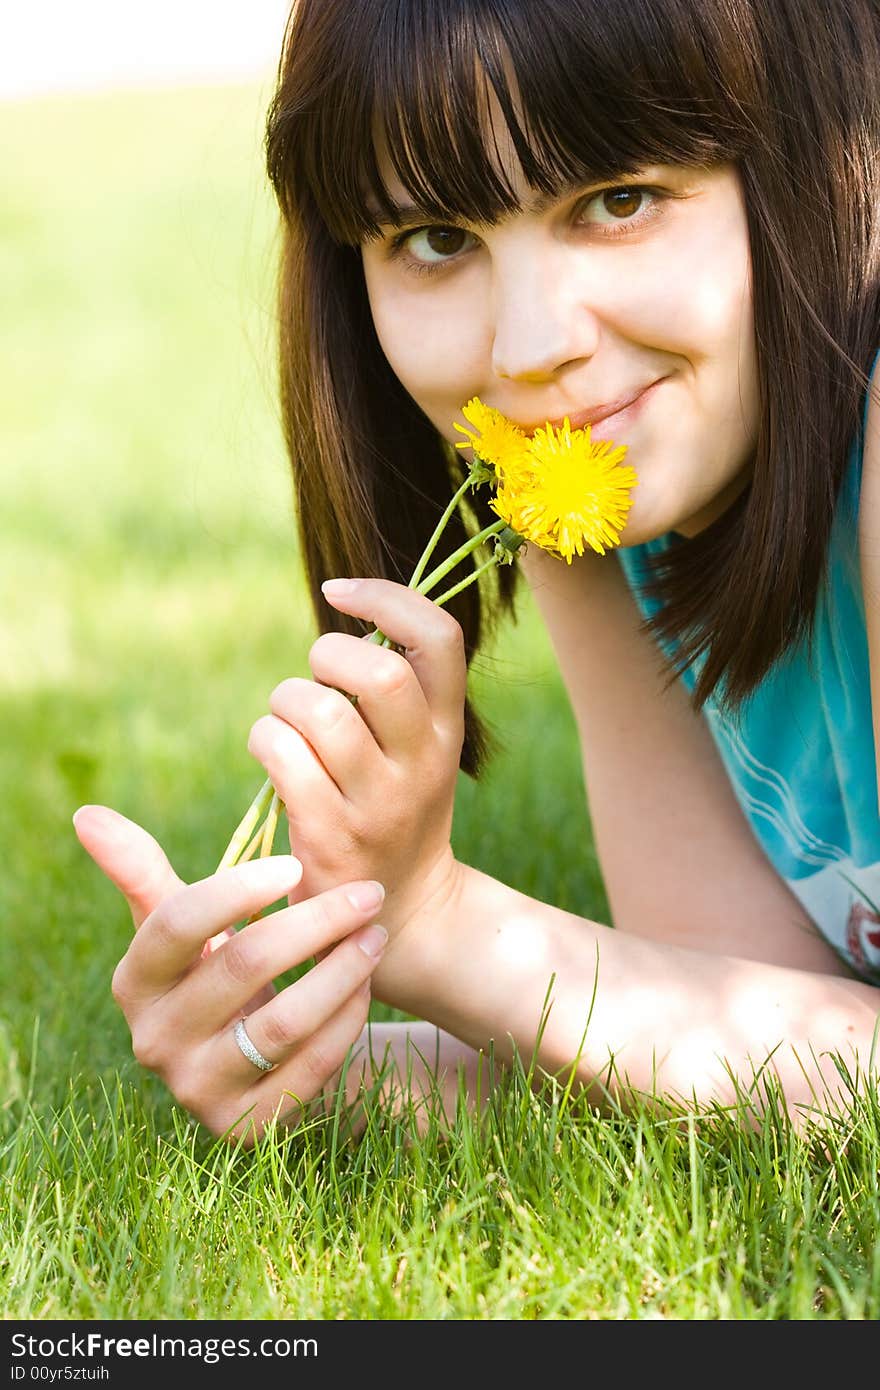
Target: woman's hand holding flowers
368,788
556,488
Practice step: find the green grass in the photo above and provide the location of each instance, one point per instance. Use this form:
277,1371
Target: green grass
152,597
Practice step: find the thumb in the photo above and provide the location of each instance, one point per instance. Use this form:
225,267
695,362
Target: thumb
129,856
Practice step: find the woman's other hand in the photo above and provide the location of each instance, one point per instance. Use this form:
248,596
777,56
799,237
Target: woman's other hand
182,1001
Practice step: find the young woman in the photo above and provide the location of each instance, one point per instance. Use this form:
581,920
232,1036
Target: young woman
660,219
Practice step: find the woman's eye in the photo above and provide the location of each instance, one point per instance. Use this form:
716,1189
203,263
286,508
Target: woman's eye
617,205
433,245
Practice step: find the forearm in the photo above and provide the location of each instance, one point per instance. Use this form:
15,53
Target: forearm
634,1014
680,861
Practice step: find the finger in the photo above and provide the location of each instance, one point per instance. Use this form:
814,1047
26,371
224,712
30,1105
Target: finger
172,938
129,856
295,768
391,718
432,639
286,1093
390,697
294,1016
220,989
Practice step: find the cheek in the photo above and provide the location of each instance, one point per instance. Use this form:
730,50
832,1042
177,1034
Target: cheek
707,297
432,342
701,274
408,351
432,352
705,316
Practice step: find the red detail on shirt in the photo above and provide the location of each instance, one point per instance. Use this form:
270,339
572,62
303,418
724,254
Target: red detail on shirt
858,934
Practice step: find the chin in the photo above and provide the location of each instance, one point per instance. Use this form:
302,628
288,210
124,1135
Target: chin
655,512
641,527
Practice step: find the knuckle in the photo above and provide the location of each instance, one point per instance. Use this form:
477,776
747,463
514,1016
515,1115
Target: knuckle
391,676
324,919
257,735
283,693
279,1032
190,1076
119,984
186,1090
240,958
166,923
373,826
450,634
146,1044
350,839
328,651
317,1066
330,709
361,1014
323,646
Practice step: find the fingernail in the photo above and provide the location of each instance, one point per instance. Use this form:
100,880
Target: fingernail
102,820
338,588
365,896
372,940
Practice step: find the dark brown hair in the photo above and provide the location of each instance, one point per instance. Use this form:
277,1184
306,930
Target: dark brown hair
787,90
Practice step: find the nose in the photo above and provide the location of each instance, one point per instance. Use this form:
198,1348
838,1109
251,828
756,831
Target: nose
543,321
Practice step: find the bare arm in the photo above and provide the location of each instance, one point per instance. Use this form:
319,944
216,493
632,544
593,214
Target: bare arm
711,966
680,861
714,965
636,1014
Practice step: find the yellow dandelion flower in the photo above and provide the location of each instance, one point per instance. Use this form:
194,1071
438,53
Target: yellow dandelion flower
494,438
573,494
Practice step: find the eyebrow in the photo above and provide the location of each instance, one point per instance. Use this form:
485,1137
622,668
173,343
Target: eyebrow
411,212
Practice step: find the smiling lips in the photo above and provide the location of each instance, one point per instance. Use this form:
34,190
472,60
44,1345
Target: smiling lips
579,419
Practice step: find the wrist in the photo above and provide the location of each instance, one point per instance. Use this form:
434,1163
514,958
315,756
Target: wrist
420,925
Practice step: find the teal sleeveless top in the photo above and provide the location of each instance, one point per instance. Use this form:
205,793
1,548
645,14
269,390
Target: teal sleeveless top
800,750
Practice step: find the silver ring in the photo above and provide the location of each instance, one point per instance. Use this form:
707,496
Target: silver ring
239,1032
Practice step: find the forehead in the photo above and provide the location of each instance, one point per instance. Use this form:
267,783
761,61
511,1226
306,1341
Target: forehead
499,151
468,111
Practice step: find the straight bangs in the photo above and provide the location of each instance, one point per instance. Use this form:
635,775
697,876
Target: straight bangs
586,89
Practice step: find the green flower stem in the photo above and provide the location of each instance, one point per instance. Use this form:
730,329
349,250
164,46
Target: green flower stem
252,846
458,555
443,569
257,809
470,579
441,527
270,825
265,838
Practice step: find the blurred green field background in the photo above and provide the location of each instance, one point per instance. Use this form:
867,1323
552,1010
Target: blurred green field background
151,589
152,596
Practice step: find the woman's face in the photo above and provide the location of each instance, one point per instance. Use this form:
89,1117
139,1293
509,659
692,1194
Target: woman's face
575,305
